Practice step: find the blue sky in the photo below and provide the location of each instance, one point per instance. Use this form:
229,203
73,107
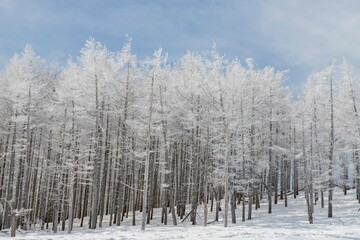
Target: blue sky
299,35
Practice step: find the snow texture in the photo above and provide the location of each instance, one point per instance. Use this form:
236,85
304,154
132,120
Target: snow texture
283,223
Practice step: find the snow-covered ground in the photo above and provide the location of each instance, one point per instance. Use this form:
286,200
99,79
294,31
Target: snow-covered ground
283,223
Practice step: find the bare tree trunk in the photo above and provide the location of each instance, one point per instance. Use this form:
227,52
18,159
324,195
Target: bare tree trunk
244,178
153,169
168,170
286,166
111,186
59,175
9,188
206,160
133,182
72,172
296,169
13,218
97,160
233,207
311,218
119,173
226,157
270,179
226,176
27,163
308,174
217,207
105,170
147,160
250,201
243,208
331,153
194,164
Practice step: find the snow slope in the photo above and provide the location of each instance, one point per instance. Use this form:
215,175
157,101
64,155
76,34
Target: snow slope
283,223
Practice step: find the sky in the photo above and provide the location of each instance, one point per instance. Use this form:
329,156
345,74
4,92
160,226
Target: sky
300,36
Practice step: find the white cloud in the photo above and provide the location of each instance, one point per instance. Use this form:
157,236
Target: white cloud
300,35
311,33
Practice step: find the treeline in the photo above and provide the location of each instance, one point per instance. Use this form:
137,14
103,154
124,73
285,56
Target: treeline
111,135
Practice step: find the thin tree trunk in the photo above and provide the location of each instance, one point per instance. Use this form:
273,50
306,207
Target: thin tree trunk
233,207
9,188
206,160
147,160
73,166
105,170
331,153
59,175
97,160
250,201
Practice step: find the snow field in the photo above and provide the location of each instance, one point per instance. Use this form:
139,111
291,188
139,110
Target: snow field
283,223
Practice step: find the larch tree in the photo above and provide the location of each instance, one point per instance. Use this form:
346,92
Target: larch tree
110,136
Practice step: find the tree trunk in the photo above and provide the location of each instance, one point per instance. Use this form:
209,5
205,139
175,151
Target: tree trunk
147,160
104,182
59,176
233,207
72,172
97,160
331,153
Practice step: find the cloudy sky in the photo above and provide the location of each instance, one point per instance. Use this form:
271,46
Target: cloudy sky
299,35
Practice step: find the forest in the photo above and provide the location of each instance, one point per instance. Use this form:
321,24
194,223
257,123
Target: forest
109,135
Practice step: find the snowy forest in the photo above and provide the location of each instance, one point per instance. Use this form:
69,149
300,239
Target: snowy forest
109,136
